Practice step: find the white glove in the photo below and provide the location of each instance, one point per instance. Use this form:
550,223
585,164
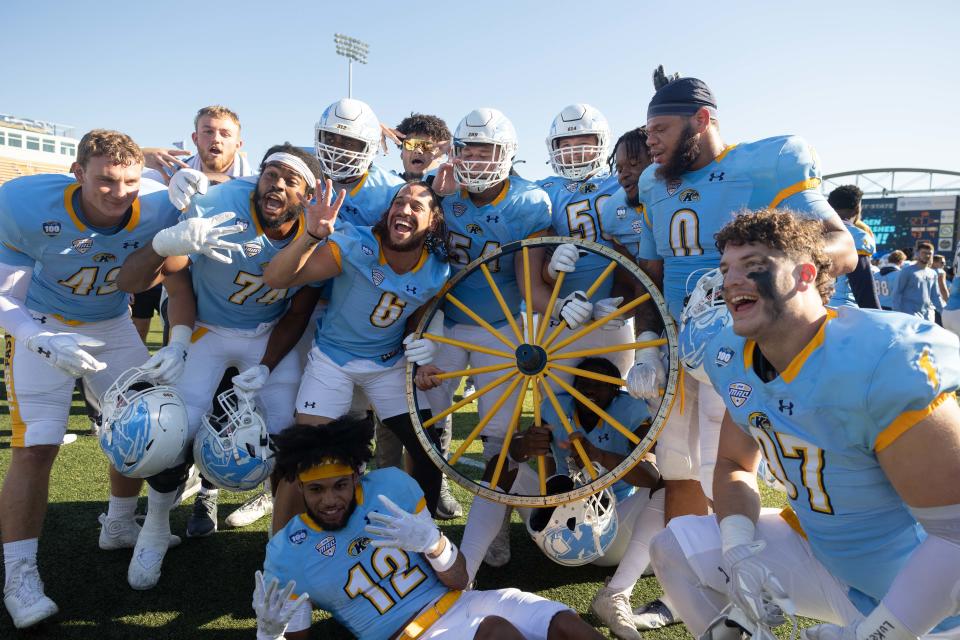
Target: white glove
604,308
411,532
575,309
274,608
881,623
166,365
63,351
752,587
184,184
422,351
564,259
198,235
250,381
647,376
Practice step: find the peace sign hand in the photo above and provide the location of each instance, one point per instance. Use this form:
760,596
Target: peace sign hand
322,215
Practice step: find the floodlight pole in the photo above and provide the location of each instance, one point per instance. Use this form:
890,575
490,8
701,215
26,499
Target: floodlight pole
353,50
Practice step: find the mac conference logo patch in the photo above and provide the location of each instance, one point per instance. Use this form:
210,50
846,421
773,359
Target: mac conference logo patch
82,245
739,392
327,546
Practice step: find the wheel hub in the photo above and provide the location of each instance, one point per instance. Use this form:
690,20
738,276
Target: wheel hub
531,359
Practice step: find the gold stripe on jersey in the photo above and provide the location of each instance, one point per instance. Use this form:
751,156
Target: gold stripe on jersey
906,420
723,154
132,222
17,425
803,185
359,185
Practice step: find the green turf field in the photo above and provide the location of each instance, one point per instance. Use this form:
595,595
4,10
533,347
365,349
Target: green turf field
206,586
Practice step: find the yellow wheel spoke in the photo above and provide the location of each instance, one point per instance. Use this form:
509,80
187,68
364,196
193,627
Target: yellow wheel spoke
538,420
596,351
592,290
469,346
514,419
480,321
599,322
620,382
503,303
470,398
528,294
565,421
484,420
545,321
475,371
613,422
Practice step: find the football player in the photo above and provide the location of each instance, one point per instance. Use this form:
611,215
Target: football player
380,276
578,145
871,541
236,309
365,549
856,287
346,139
696,185
62,241
621,214
885,278
639,512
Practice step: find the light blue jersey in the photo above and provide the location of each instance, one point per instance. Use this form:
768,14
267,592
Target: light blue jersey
865,245
521,210
865,378
629,412
372,592
575,207
233,295
75,265
370,197
953,302
917,291
622,222
884,280
681,218
369,303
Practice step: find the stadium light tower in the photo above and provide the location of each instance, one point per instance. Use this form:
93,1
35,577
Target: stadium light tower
354,51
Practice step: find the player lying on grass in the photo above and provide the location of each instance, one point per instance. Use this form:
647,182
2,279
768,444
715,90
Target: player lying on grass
366,550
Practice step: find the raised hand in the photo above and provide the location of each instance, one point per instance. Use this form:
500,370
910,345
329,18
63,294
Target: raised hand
322,214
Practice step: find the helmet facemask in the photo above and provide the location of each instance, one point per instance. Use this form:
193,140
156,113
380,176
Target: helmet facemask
476,176
338,162
581,161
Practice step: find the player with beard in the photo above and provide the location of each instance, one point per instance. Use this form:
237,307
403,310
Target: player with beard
854,411
235,309
381,276
364,548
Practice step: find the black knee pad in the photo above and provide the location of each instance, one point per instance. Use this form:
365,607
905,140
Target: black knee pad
169,479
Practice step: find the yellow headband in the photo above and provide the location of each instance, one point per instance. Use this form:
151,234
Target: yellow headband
328,468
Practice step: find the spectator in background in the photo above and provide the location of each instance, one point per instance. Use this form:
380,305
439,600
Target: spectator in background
855,288
886,279
916,291
940,266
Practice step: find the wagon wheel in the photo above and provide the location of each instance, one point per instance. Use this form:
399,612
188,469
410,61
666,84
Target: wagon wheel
528,364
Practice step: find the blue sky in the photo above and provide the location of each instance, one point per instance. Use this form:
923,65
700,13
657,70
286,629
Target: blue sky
869,84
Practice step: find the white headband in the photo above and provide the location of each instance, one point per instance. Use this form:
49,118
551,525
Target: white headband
294,163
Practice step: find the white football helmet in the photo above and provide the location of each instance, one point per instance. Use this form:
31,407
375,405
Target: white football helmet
352,119
576,533
144,425
233,451
581,161
702,318
484,126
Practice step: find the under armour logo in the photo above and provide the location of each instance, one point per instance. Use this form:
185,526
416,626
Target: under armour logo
786,407
309,405
603,437
412,290
726,578
43,352
494,219
42,319
718,176
131,245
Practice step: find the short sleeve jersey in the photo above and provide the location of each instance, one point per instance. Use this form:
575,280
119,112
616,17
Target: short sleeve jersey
576,205
75,265
682,217
234,295
372,592
369,303
624,223
627,411
370,197
521,210
865,378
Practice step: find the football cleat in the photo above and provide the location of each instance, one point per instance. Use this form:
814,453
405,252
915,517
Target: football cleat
252,510
122,533
613,609
144,570
203,520
498,553
653,615
581,161
23,596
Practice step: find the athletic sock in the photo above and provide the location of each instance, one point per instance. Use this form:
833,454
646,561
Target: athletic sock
121,507
17,551
209,492
649,522
159,505
483,525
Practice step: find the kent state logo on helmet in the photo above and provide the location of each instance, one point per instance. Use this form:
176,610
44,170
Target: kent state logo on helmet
144,425
576,533
703,317
233,451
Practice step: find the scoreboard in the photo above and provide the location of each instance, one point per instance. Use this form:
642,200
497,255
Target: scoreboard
898,223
